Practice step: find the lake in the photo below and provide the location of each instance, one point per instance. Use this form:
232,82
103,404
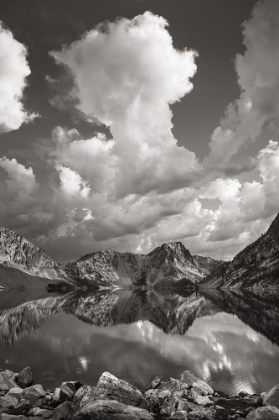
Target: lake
229,340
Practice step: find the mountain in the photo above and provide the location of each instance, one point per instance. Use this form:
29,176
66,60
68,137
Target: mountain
256,267
23,264
170,263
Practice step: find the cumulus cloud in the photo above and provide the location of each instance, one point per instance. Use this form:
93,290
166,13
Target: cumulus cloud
138,189
126,74
21,182
258,78
14,69
18,189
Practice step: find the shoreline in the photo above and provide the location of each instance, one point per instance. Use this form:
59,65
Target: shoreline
114,399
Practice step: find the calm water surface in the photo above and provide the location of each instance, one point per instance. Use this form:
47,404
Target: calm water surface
137,336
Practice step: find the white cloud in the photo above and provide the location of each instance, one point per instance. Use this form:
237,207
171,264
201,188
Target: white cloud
258,78
72,185
14,69
126,74
21,183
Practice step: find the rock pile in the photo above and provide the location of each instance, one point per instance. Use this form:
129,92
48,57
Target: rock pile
114,399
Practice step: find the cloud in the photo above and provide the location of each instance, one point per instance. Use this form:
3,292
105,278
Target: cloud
136,189
126,74
258,78
14,70
19,206
21,183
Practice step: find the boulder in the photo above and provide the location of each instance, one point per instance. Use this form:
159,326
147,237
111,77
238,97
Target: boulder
6,383
63,411
7,401
164,394
33,393
152,399
68,390
15,392
89,393
9,374
189,378
179,415
5,416
40,412
154,384
264,413
25,377
120,390
272,397
111,410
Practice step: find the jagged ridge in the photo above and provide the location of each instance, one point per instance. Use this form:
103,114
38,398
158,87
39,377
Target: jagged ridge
255,267
169,263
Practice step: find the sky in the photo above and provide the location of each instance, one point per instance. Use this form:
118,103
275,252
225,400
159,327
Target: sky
125,124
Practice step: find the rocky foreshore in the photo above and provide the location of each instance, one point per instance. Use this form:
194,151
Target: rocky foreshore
114,399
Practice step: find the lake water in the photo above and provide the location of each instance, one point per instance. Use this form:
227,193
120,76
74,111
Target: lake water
228,340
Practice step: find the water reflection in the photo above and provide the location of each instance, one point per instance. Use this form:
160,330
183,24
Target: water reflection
138,335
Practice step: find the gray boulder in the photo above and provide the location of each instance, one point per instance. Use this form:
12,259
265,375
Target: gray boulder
63,411
25,377
33,393
6,383
5,416
7,401
272,397
264,413
111,410
89,394
15,392
68,390
120,390
189,378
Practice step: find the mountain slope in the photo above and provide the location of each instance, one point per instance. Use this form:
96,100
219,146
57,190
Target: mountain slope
23,264
256,267
169,263
28,260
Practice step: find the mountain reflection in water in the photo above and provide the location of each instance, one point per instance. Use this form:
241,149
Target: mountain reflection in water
228,339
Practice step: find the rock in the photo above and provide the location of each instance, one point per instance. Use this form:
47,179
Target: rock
152,399
5,383
121,390
272,397
68,390
8,401
15,392
264,413
166,409
33,393
155,383
9,374
56,395
37,411
25,378
253,400
179,414
63,411
111,410
165,393
201,400
189,378
174,384
89,394
5,416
